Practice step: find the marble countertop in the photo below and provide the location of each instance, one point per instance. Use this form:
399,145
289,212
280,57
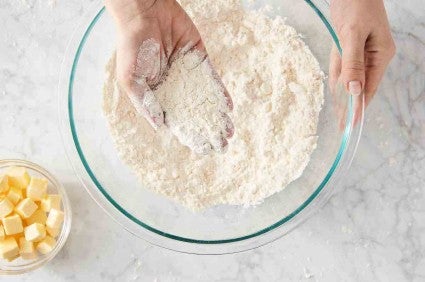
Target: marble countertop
373,229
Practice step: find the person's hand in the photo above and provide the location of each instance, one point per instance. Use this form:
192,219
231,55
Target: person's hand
367,46
151,34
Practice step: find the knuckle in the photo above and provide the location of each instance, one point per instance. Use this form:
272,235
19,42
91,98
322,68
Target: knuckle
124,78
371,89
350,30
391,49
354,66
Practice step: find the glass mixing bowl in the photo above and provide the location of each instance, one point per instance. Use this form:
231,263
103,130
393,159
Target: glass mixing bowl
221,229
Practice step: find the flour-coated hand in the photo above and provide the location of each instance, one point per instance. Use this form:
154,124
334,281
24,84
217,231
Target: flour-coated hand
151,34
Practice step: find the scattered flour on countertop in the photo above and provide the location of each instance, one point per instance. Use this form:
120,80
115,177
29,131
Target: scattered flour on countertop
277,89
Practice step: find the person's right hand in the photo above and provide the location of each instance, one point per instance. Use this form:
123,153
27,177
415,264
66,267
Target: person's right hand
151,34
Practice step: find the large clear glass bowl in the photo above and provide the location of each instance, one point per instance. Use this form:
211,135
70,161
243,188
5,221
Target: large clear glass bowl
222,229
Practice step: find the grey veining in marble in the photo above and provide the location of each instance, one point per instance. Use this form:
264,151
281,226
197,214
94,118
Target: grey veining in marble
373,229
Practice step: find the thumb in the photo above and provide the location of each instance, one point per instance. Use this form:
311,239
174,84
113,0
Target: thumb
145,102
353,67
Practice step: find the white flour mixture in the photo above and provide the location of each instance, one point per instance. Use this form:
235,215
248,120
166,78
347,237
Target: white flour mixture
277,89
194,103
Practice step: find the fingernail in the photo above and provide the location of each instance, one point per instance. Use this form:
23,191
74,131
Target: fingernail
355,88
224,146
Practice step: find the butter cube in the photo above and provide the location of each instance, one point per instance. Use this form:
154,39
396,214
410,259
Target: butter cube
25,247
54,232
26,208
51,201
37,188
2,235
46,245
6,207
30,256
14,195
12,224
9,249
55,218
35,232
18,177
4,184
12,258
39,216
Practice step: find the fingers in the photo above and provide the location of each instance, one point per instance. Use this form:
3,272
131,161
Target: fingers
353,74
338,102
139,67
229,102
201,146
191,41
219,144
352,65
334,69
202,139
150,62
376,63
358,108
229,127
145,103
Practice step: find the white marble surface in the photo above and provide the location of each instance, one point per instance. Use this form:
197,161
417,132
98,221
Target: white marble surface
372,230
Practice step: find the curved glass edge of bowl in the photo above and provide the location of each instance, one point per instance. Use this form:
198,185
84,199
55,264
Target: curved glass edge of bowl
351,136
32,265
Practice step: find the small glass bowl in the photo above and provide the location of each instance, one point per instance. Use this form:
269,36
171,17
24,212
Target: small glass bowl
19,265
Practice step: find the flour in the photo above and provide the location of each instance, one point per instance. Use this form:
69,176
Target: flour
148,69
277,89
189,97
194,104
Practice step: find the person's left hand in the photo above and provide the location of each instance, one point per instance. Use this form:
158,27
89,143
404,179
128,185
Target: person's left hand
367,46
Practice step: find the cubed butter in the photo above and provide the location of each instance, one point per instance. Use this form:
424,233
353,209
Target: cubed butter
38,216
12,258
25,247
30,256
18,177
55,218
35,232
26,208
2,235
37,188
6,207
54,232
12,224
9,249
16,236
4,184
46,245
51,201
14,195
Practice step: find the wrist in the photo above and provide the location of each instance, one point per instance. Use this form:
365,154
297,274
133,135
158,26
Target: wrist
124,11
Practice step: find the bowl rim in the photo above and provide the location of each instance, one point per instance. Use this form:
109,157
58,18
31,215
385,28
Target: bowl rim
66,226
75,154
